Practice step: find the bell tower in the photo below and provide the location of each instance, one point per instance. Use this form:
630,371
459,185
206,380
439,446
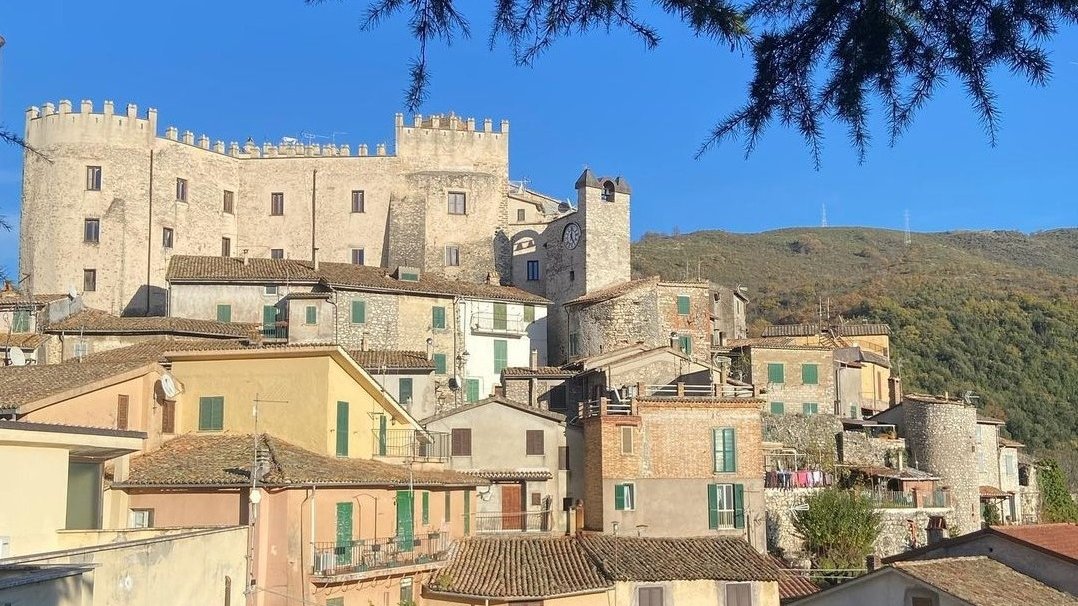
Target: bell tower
603,204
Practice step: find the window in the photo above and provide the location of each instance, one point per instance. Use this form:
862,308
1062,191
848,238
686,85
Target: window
572,275
521,215
738,594
778,408
720,506
533,271
501,355
123,409
626,439
91,231
311,315
683,305
439,364
334,601
529,314
93,178
922,601
471,387
226,247
574,344
533,442
404,388
270,289
437,317
89,280
537,499
228,205
776,373
810,374
724,441
624,497
501,316
20,321
224,312
452,256
166,237
358,205
359,312
461,442
608,192
649,596
684,344
458,203
211,413
563,458
277,204
357,256
276,253
141,518
343,429
448,513
810,408
181,190
168,416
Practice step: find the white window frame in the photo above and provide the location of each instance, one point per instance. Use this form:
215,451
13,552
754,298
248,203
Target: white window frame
452,255
726,595
724,505
457,203
140,518
630,496
93,178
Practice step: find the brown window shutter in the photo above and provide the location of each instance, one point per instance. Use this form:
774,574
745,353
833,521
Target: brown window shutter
563,457
168,417
534,442
537,499
122,405
467,442
462,442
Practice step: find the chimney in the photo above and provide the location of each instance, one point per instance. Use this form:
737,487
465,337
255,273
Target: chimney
578,517
894,389
871,562
499,391
533,360
314,258
245,257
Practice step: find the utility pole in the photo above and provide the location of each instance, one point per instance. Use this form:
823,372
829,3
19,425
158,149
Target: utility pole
255,497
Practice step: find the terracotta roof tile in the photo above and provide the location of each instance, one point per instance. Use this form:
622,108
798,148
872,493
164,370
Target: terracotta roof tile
992,492
192,269
21,385
153,350
793,584
373,360
1061,538
557,417
853,329
510,475
981,581
539,371
22,340
10,296
613,291
225,460
96,321
679,559
517,568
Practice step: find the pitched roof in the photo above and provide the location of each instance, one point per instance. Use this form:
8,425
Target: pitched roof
1008,443
23,385
547,414
679,559
613,291
225,460
992,492
10,296
793,584
554,372
153,350
194,269
96,321
982,581
852,329
391,359
775,343
1059,538
519,568
22,340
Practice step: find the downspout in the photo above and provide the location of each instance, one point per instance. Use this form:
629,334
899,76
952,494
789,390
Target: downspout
310,501
149,234
314,200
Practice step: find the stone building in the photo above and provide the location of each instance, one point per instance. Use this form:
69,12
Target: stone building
790,378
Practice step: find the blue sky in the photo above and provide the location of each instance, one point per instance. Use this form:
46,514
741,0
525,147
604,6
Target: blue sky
275,68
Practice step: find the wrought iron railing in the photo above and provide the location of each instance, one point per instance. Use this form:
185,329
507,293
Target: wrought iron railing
409,443
624,403
891,499
523,521
364,555
489,323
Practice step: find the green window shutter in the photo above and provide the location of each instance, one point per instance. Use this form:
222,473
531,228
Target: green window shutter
473,390
809,408
729,450
405,521
21,321
312,314
439,364
334,601
224,313
269,320
716,449
437,317
810,374
501,355
712,506
204,413
404,388
683,305
448,513
211,412
529,313
685,344
619,497
344,533
739,505
775,373
359,312
501,317
778,408
426,507
383,434
467,512
342,429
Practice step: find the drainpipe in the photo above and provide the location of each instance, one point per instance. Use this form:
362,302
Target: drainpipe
310,502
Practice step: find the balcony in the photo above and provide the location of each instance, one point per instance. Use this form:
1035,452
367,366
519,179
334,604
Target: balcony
275,332
368,557
524,521
410,444
502,326
624,403
896,499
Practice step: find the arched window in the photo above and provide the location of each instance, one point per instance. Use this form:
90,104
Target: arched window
608,191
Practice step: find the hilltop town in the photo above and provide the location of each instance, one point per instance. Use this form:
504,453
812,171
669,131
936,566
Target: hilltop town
292,373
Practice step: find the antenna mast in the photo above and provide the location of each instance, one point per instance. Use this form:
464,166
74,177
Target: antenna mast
907,240
823,214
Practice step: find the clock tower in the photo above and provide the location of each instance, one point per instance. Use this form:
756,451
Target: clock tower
603,208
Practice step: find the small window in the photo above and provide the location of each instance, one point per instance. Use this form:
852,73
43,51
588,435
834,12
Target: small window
123,410
437,317
358,205
529,314
537,499
91,231
810,374
93,178
357,256
211,413
181,190
141,518
89,280
277,204
923,601
522,215
810,408
458,204
224,312
724,440
776,373
739,594
404,390
572,275
574,344
166,237
276,253
168,416
626,439
20,320
226,247
563,458
608,192
720,506
684,344
439,364
228,205
452,256
533,442
624,497
461,442
270,289
778,408
683,305
359,312
311,315
533,271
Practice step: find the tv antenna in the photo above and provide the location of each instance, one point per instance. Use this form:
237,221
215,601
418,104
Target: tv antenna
907,240
823,214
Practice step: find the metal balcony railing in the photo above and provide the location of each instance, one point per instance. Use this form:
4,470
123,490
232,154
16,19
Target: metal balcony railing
624,403
507,325
364,555
411,444
522,521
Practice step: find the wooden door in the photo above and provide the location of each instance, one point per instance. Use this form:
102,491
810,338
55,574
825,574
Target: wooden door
512,506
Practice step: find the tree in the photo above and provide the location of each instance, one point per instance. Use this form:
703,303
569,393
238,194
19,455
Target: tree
813,59
839,528
1057,504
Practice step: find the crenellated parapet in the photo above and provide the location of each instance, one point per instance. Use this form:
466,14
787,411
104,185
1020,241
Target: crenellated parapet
60,123
451,140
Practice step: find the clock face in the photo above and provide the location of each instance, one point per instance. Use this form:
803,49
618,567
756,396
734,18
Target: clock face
571,236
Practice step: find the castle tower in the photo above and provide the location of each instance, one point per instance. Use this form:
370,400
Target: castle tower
604,204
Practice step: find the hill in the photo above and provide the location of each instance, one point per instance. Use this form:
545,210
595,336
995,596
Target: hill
994,312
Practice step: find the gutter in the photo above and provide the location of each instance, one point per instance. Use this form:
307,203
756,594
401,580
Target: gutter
510,599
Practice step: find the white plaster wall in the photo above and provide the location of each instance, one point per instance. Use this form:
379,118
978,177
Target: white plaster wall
480,345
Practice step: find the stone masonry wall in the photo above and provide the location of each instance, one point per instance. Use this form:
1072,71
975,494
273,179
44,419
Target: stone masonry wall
814,435
942,439
793,392
859,448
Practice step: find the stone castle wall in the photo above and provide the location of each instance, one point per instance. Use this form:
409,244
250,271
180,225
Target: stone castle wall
942,440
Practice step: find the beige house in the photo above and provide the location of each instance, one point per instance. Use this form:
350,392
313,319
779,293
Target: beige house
790,379
23,319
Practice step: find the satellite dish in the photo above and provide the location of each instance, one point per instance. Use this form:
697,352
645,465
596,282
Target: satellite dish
15,357
72,293
170,386
455,382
